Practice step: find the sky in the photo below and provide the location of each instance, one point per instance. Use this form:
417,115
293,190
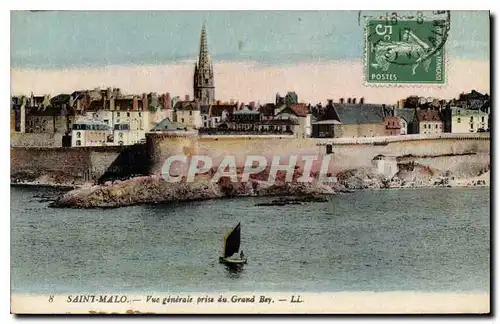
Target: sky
318,54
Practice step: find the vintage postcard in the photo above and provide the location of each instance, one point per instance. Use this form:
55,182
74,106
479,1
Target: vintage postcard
272,162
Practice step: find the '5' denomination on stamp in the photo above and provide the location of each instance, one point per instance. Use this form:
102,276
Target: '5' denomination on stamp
400,50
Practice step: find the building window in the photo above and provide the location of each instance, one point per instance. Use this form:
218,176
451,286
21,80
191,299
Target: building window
78,142
458,120
471,119
182,120
190,113
482,119
436,126
128,114
205,124
118,120
78,134
118,113
106,121
120,135
140,114
425,125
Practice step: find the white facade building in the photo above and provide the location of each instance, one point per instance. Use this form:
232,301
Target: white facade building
468,121
128,126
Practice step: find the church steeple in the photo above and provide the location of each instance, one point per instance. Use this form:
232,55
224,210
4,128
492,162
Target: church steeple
203,57
204,90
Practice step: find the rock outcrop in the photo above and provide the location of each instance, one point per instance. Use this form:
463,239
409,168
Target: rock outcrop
153,189
149,189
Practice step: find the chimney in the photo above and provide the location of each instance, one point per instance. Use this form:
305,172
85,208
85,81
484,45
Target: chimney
354,100
218,102
145,104
341,100
362,101
109,93
135,103
186,97
167,101
349,100
330,102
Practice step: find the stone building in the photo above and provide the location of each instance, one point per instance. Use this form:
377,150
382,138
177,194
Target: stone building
400,122
408,120
300,118
214,115
188,113
91,132
464,120
429,122
351,120
42,117
393,125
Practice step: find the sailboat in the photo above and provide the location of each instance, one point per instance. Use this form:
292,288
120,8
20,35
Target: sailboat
231,246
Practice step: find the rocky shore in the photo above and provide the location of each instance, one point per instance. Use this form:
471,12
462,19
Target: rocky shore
154,189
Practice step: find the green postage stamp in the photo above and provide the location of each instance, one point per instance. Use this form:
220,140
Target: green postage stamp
406,50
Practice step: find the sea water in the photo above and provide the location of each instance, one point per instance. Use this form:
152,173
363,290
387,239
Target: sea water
435,240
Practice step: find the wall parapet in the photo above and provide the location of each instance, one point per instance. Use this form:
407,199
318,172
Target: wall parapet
59,149
403,138
251,136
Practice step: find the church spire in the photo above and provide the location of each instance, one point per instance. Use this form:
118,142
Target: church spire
203,57
204,90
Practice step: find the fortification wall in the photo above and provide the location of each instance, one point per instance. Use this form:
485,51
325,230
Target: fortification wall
36,139
61,164
464,155
350,156
346,153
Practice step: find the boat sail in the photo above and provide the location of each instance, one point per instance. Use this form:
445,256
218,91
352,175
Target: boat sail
231,246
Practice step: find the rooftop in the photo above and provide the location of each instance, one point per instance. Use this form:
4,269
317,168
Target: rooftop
360,113
167,125
246,110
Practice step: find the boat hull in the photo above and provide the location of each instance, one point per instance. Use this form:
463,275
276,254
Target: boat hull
232,261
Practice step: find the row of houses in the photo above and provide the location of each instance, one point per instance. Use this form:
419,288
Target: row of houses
370,120
288,117
473,100
84,116
108,117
